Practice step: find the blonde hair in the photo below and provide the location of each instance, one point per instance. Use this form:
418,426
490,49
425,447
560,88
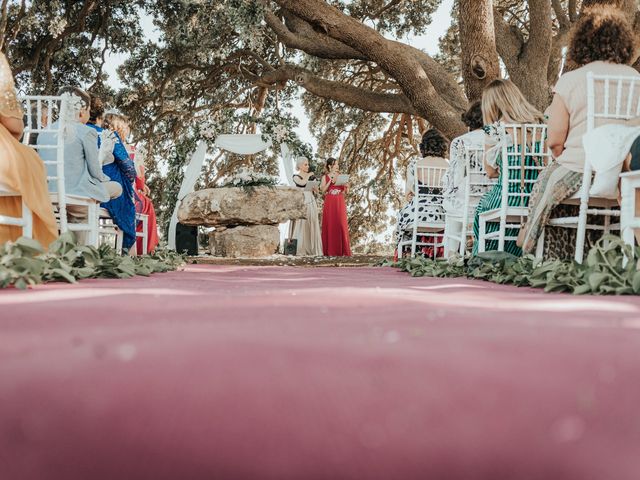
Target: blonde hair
503,101
118,123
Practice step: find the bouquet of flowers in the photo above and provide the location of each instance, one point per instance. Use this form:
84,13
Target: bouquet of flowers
249,179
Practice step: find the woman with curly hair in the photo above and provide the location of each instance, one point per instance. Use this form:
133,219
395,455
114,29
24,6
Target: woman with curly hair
433,148
603,43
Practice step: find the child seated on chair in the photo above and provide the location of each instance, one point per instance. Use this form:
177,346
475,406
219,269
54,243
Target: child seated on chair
83,176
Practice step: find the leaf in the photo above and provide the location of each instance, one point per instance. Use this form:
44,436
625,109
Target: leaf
635,283
29,245
596,279
582,289
60,273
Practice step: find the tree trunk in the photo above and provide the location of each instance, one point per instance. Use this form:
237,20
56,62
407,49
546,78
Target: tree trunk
480,62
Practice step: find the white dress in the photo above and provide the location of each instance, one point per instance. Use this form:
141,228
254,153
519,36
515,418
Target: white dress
454,179
307,231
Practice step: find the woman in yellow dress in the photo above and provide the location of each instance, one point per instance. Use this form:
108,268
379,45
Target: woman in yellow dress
21,169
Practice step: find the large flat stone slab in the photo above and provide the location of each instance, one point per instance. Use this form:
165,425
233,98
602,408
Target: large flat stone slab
236,206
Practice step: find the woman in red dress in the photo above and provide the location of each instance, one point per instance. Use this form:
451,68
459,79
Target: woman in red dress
144,205
335,230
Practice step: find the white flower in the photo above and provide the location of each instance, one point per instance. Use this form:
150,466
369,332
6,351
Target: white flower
209,132
57,26
281,133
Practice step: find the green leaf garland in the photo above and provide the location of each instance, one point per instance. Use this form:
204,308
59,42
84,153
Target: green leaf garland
602,273
24,263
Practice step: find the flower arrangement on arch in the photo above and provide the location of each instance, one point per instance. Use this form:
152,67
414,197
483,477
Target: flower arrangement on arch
249,179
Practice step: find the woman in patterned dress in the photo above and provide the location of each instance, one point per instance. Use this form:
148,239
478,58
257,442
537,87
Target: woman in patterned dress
503,103
433,148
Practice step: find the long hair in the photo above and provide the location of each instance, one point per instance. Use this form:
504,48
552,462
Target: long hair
503,101
116,122
328,164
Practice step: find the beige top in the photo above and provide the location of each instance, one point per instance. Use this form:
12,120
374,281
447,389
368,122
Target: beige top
572,89
424,162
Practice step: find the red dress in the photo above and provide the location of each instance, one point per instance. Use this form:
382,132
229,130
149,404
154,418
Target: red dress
335,230
145,206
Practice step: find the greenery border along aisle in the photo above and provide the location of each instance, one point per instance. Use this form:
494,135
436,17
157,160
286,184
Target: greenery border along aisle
24,262
601,274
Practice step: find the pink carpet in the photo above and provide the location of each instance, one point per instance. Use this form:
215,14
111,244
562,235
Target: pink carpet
285,373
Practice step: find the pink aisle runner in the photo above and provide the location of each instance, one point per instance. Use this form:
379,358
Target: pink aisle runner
294,373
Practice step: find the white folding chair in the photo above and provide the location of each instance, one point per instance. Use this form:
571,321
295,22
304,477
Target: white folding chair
25,221
610,99
518,176
476,183
428,214
40,113
629,217
144,234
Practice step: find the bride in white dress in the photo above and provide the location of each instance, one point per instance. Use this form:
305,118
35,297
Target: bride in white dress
307,231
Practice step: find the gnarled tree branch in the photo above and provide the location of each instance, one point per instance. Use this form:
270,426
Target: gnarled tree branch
338,91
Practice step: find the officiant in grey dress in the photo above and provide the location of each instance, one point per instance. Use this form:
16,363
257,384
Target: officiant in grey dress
307,231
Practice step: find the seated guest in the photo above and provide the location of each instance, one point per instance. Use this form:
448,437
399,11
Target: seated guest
503,102
433,149
21,170
307,231
123,171
144,205
455,178
335,227
602,42
83,175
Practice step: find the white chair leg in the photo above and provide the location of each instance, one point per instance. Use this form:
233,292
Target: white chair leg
27,219
540,246
627,215
463,237
94,225
145,234
414,239
119,240
447,232
481,239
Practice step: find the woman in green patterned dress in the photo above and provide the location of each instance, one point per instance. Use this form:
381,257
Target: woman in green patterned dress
503,103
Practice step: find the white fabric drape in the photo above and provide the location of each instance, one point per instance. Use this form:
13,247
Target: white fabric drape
238,144
242,144
188,183
287,164
605,148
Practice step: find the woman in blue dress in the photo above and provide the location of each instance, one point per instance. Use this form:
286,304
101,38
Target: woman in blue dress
122,170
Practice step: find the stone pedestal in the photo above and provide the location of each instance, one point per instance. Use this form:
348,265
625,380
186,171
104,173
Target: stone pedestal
246,221
245,241
235,206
